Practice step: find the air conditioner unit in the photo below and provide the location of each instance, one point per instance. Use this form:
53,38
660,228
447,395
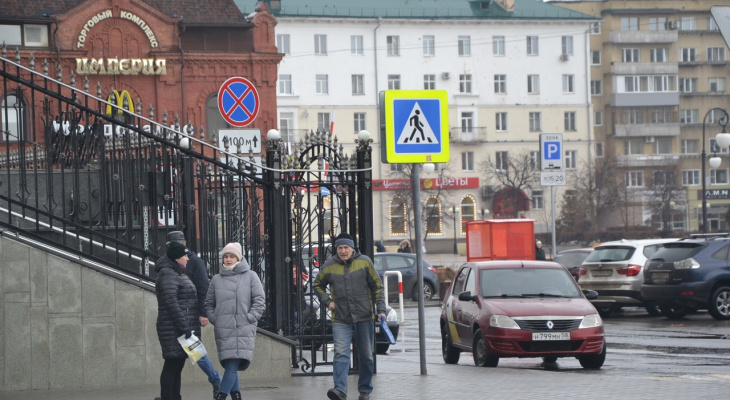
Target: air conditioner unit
446,75
563,57
649,139
672,25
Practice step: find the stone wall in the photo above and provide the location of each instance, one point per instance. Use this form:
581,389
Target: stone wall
64,325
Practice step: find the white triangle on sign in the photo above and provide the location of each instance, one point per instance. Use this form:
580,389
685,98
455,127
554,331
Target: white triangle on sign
417,130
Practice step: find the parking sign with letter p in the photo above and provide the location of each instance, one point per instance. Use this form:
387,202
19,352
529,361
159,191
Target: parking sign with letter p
551,151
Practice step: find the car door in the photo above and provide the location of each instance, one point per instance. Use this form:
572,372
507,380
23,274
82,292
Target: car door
468,310
453,306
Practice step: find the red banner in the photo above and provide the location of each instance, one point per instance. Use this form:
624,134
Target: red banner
427,184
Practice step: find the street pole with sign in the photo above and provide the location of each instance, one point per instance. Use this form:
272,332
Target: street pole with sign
551,173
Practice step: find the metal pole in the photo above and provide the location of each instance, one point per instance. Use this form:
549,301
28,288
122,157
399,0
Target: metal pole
552,220
704,178
416,191
456,248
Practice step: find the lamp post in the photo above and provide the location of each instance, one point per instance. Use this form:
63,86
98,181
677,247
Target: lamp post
483,213
723,140
454,211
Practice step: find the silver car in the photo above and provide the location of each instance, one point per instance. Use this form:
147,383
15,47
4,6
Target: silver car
616,271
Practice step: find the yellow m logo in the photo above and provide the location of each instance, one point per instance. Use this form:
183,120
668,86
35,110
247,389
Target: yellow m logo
118,98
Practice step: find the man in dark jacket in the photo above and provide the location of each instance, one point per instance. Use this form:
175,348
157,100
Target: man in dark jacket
539,251
355,291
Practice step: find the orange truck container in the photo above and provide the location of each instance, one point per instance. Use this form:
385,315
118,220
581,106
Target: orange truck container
500,239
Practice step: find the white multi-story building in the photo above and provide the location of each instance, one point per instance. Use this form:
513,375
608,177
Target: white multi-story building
512,70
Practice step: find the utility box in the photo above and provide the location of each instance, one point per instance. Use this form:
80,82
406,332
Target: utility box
500,239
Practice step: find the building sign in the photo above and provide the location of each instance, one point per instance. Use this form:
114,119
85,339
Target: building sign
81,41
426,184
714,194
124,66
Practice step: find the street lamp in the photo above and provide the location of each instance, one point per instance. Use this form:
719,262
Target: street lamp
723,140
483,213
454,210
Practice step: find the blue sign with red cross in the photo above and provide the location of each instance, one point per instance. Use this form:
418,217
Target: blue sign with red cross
238,101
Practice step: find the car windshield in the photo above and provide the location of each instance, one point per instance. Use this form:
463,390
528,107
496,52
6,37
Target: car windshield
527,282
610,253
677,251
570,259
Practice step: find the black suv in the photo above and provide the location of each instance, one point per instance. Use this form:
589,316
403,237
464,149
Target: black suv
689,274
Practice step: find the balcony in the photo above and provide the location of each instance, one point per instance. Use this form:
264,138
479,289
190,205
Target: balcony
645,99
473,135
645,68
647,160
629,37
642,130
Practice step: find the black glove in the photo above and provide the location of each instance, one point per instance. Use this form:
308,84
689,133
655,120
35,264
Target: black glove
188,334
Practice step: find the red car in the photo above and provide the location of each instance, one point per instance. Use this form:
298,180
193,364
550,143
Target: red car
499,309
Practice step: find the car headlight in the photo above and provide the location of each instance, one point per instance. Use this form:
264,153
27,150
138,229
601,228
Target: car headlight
687,263
392,315
503,321
591,321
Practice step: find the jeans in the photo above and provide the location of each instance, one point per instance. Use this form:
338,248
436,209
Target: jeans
170,378
363,333
230,375
207,367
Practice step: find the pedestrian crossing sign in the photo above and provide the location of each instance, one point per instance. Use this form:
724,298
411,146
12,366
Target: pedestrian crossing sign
416,126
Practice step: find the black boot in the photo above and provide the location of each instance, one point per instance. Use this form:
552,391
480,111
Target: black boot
235,395
216,389
221,396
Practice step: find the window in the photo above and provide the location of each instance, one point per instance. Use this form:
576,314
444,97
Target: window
429,82
429,45
596,88
535,121
502,161
397,167
569,119
688,116
599,149
500,83
533,84
711,24
595,57
285,84
597,118
398,216
467,161
687,54
630,24
359,121
658,24
568,83
534,159
688,85
323,121
501,121
286,126
468,211
467,122
713,116
358,84
30,35
691,177
537,202
630,55
635,179
464,45
634,146
282,44
663,145
320,44
718,177
532,46
498,45
659,54
716,84
393,82
16,124
714,148
567,44
322,84
715,54
663,178
356,44
571,159
595,28
434,223
690,146
464,83
393,45
687,24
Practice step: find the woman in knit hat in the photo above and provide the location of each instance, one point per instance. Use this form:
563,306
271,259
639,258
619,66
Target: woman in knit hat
235,302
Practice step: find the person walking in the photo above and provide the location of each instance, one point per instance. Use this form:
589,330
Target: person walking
234,304
539,251
177,315
355,291
404,246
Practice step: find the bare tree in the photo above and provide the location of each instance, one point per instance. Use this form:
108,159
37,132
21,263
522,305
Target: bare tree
516,173
598,186
664,188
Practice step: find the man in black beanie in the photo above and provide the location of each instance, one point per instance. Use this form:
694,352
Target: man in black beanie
355,291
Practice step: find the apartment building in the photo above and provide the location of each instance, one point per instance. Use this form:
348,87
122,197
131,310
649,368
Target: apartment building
659,73
512,70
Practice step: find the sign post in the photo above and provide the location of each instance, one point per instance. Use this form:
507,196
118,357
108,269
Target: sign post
551,172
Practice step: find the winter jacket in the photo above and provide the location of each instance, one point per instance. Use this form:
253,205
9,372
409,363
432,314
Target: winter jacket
355,288
198,273
177,308
234,303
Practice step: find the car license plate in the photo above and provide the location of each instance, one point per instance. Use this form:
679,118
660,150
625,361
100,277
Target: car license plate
660,276
601,272
550,336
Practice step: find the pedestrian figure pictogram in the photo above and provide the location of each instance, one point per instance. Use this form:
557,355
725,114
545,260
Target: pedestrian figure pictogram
418,129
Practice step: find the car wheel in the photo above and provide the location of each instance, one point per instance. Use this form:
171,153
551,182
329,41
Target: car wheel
593,361
479,351
428,291
720,303
675,311
652,309
450,353
550,359
381,348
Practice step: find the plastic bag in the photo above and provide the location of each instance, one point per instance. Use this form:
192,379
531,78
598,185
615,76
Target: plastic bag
194,347
386,331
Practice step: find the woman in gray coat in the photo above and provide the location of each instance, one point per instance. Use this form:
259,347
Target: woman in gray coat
234,303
